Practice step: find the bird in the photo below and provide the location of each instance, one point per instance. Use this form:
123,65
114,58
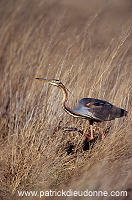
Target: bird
94,110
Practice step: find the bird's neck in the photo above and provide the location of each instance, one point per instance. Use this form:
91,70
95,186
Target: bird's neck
64,100
65,96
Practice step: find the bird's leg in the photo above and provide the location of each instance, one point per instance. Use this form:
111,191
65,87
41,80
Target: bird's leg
101,131
91,131
89,138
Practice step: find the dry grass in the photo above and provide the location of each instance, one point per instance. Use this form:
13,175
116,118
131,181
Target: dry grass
88,47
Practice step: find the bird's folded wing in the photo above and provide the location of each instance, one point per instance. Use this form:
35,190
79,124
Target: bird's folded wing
103,111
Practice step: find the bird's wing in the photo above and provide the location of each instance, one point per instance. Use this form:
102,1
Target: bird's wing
98,104
102,110
98,109
94,108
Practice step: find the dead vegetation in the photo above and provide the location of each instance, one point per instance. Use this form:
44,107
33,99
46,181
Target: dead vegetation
87,47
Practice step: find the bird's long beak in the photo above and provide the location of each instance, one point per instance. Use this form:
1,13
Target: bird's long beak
44,80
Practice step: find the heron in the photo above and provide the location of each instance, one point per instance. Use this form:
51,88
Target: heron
94,110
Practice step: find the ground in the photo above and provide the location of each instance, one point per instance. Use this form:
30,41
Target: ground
86,45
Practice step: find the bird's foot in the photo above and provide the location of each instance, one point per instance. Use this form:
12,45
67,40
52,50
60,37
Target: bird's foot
103,137
72,129
88,137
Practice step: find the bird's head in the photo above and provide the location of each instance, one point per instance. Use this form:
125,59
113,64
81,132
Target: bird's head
51,81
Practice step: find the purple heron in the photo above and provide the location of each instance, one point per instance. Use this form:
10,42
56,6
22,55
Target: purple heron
94,110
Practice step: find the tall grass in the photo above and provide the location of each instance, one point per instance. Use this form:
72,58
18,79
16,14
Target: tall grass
90,52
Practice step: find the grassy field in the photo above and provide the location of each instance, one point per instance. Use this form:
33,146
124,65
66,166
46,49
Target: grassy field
86,45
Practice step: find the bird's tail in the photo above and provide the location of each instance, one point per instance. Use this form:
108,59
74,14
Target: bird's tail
123,112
